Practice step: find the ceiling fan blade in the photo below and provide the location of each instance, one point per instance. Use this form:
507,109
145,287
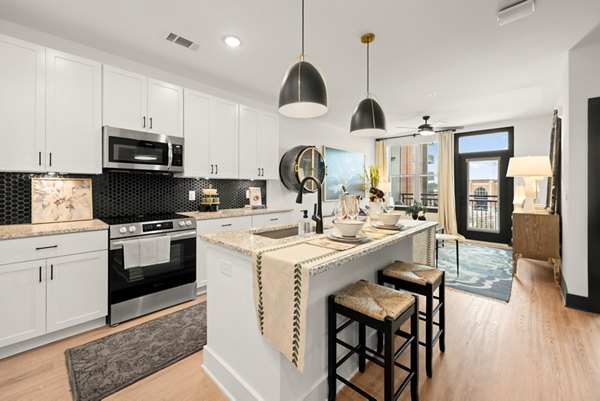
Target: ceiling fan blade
457,128
407,127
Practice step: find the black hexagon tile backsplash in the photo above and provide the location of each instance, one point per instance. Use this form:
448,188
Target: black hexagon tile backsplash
124,194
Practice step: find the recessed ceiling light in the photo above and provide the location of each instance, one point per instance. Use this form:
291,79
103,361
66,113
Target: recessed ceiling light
232,41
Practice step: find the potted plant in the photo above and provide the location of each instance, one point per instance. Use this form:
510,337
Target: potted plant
417,211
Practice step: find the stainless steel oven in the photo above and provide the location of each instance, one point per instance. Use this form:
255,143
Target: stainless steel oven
135,291
135,150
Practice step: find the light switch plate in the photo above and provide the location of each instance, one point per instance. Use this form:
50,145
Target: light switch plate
192,196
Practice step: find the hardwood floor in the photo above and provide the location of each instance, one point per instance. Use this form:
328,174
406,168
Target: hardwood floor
532,348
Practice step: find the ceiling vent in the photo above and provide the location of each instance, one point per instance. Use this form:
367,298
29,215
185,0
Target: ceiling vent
181,41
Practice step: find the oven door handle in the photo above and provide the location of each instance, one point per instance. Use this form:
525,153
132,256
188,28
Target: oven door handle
187,235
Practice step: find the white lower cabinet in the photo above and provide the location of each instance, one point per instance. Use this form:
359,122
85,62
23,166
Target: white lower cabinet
22,301
230,224
215,226
77,287
60,290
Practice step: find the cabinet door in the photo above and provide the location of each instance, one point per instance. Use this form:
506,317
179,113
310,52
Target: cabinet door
77,287
22,125
224,138
248,143
73,114
196,129
268,146
22,301
125,99
165,108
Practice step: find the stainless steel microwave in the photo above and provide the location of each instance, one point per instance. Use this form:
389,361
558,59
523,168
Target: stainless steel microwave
135,150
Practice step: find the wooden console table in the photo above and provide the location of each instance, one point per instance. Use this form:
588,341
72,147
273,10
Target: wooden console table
536,236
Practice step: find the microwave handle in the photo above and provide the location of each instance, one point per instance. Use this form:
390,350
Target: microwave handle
170,163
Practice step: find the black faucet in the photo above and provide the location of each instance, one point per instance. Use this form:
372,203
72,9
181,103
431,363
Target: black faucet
318,213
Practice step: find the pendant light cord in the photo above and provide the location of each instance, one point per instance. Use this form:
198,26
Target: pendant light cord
368,44
302,28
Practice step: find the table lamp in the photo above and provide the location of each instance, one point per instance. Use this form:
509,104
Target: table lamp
530,168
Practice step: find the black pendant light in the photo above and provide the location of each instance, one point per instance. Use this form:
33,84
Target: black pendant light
303,93
368,118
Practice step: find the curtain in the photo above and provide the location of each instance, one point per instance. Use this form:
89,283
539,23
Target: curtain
381,159
553,196
446,204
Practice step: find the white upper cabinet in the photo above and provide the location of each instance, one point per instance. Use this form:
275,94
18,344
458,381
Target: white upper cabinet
223,138
196,158
73,114
134,101
211,136
22,106
125,101
259,144
165,108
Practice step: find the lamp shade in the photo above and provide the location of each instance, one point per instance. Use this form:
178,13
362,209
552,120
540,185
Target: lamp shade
303,93
529,166
368,119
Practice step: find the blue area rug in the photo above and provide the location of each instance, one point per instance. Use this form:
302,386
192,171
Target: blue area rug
484,270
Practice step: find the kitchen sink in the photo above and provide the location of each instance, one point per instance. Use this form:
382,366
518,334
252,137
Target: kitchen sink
280,233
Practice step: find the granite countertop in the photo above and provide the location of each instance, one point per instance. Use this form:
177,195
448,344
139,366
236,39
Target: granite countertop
36,230
233,213
245,242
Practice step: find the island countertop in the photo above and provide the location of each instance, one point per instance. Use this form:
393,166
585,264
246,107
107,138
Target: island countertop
247,242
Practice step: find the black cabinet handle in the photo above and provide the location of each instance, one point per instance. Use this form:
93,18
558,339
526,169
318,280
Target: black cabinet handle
226,225
212,168
51,272
144,124
46,247
259,171
150,122
40,274
263,172
50,159
216,169
275,219
40,158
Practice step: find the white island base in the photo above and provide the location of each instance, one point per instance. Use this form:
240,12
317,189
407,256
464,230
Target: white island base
243,363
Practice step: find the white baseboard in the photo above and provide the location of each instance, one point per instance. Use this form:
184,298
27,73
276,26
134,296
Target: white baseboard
27,345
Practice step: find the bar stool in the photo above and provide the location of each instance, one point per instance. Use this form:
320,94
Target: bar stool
382,309
422,280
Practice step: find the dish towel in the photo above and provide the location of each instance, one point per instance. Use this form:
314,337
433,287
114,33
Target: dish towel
131,254
163,249
281,283
147,251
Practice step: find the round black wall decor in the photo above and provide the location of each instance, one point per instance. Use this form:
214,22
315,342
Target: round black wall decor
300,162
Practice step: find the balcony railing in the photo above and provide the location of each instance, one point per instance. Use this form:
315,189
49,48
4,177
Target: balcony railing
429,200
483,213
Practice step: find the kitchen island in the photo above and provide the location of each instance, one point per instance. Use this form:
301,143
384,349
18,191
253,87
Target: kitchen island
243,361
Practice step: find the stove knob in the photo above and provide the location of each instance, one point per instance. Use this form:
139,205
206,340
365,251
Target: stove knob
182,224
132,229
122,230
188,223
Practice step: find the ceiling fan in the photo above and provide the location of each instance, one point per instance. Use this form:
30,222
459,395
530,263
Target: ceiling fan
427,129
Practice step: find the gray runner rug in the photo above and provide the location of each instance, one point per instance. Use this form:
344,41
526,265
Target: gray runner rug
109,364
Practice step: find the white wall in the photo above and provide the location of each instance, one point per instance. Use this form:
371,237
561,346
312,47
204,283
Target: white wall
294,132
583,83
